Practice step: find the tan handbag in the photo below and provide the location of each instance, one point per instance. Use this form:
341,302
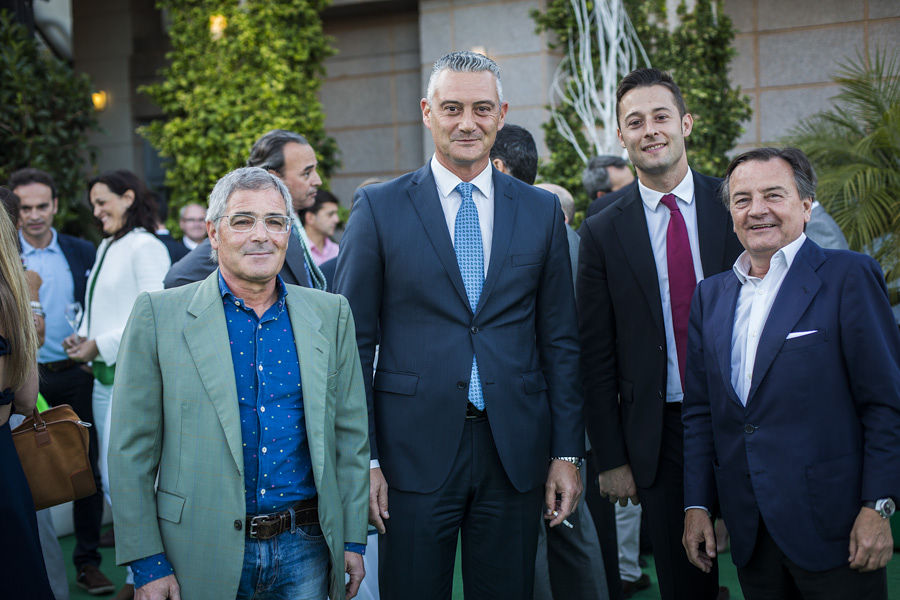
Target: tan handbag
53,449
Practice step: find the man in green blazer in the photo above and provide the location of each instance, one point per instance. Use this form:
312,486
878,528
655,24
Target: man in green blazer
245,397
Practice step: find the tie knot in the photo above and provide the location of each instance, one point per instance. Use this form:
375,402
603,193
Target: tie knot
671,202
465,189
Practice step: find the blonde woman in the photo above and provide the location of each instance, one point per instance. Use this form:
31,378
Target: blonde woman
18,392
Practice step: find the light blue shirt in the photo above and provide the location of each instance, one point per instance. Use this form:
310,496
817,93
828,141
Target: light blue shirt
57,291
753,307
657,225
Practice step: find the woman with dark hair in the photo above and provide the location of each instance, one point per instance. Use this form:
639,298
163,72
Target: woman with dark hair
130,260
23,562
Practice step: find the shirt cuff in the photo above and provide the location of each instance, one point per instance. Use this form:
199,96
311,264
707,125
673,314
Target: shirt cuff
687,508
351,547
151,568
374,464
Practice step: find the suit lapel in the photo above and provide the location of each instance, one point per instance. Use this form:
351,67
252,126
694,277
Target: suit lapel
712,227
723,313
312,352
425,200
207,340
631,229
504,218
797,291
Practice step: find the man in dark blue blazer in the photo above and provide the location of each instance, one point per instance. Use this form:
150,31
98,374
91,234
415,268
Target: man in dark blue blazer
792,404
460,274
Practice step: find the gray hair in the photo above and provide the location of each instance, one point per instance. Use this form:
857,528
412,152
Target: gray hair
245,178
566,202
268,151
463,61
184,208
595,177
804,174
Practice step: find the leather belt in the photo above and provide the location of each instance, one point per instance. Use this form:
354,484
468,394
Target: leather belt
263,527
59,365
473,414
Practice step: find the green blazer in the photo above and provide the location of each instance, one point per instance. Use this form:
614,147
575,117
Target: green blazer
175,413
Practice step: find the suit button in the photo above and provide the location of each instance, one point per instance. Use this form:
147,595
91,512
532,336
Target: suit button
659,348
460,385
659,394
473,329
238,524
748,428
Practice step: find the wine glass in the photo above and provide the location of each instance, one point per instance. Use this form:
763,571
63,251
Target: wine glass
74,311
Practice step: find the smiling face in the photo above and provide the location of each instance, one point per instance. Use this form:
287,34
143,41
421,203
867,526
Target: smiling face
653,133
36,213
299,174
193,222
255,256
109,207
766,208
464,115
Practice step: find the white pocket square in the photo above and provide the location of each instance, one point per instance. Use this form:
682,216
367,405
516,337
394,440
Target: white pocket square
796,334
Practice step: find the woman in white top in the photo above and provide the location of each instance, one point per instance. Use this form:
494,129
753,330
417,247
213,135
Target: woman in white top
130,260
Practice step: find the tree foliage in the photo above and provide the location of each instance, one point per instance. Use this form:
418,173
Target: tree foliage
855,148
237,68
696,51
45,117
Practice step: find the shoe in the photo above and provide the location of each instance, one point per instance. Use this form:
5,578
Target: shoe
630,587
126,593
95,583
724,594
108,538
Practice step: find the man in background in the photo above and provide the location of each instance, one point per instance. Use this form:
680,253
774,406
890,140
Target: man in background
604,174
515,153
192,220
319,222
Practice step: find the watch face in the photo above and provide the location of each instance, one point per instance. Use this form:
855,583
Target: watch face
888,507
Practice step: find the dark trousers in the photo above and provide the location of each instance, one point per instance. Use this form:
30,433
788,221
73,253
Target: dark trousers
74,386
663,508
497,524
603,512
770,575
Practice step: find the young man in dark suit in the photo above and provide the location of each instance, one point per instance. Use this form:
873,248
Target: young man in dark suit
640,261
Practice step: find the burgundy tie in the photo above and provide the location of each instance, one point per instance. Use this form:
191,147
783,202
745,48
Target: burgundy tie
682,280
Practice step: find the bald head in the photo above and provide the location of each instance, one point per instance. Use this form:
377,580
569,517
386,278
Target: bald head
565,199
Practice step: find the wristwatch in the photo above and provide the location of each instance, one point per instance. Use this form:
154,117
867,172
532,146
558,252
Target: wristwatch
884,507
575,460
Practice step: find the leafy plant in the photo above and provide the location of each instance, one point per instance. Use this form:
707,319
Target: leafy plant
45,117
855,148
236,70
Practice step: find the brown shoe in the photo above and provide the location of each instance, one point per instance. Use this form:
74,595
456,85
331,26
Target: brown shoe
95,583
108,538
125,593
629,588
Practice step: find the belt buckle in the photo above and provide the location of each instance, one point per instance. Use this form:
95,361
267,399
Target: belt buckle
261,521
253,530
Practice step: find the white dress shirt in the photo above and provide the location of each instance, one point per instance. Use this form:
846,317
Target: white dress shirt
482,194
658,224
753,306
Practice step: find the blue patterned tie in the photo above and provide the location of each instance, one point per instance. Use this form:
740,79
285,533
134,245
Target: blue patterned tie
470,257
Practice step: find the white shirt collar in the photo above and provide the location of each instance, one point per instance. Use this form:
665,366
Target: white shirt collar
785,253
447,181
684,191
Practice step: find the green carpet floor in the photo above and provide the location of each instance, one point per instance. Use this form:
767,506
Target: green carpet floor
727,575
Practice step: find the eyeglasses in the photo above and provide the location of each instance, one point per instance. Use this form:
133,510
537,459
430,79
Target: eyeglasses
242,222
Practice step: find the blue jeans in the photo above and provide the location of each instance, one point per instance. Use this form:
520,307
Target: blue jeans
289,566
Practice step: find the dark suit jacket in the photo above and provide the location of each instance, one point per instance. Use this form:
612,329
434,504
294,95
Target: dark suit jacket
821,429
176,249
328,267
623,337
196,265
80,255
398,268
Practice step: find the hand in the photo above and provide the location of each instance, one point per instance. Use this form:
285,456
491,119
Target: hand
871,543
353,566
562,491
72,341
86,351
159,589
378,499
698,529
618,485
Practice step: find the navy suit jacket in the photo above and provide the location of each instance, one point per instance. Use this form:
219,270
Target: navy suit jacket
623,336
398,269
821,430
80,255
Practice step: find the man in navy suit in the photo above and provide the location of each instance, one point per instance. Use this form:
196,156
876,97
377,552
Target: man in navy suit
639,263
63,262
792,407
460,274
